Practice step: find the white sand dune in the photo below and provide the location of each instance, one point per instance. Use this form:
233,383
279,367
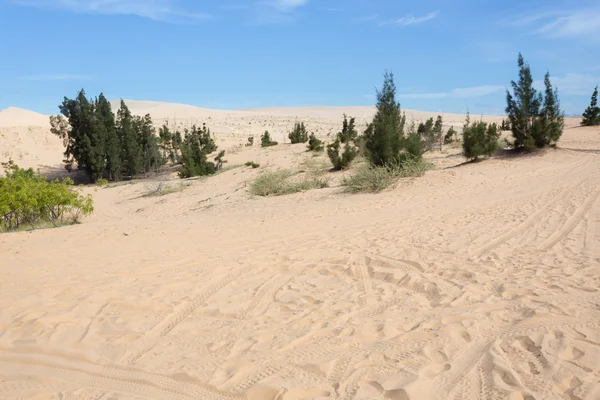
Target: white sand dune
476,281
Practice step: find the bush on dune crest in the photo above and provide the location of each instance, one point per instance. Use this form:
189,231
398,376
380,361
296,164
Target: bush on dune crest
28,200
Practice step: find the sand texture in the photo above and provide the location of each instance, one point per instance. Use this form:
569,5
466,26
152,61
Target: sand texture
475,281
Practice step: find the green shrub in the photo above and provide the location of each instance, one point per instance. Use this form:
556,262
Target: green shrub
250,141
195,148
27,199
252,164
451,135
314,144
341,159
265,140
277,183
480,139
299,134
102,182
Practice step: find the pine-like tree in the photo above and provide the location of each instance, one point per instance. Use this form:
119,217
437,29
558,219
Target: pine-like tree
314,144
523,106
342,158
548,128
450,135
151,159
591,116
165,143
106,119
131,153
195,148
479,139
384,139
265,140
299,134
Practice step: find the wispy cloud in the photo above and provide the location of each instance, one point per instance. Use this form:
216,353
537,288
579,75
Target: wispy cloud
158,10
412,20
55,77
273,12
574,84
564,23
460,93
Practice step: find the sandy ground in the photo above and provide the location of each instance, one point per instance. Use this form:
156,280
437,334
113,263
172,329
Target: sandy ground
476,281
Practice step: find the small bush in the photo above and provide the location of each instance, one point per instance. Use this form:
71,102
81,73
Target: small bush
314,144
374,179
102,182
277,183
250,141
163,188
27,199
451,135
265,140
299,134
480,139
341,159
252,164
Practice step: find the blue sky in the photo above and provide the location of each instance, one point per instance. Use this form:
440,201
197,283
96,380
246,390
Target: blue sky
446,55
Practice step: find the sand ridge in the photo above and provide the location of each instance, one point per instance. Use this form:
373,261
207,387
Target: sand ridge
477,281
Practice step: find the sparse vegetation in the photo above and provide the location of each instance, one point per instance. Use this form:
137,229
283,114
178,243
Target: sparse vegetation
374,179
451,136
266,141
314,144
430,132
536,120
196,147
299,134
282,182
479,139
252,164
591,116
162,187
250,142
28,200
341,159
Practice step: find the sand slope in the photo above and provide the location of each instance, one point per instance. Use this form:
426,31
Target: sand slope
478,281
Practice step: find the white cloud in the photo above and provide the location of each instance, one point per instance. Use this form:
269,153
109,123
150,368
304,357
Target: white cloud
272,12
565,23
459,93
287,5
55,77
159,10
412,20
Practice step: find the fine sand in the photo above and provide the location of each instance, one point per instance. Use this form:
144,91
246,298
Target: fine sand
475,281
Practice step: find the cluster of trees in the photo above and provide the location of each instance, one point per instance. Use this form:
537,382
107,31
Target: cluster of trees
102,145
591,115
479,139
266,141
27,199
299,134
430,132
115,147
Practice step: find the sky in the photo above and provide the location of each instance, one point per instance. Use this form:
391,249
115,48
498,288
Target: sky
446,55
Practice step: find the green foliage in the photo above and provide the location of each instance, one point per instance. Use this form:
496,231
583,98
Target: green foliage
533,117
195,148
299,134
451,135
265,140
27,199
102,182
385,142
591,116
505,125
314,144
250,141
342,158
479,139
373,179
277,183
430,132
252,164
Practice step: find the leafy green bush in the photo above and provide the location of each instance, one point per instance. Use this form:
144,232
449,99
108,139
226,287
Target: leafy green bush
299,134
250,141
277,183
373,179
450,135
480,139
27,199
195,148
265,140
314,144
252,164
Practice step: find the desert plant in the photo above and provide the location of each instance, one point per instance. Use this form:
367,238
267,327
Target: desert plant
27,199
373,179
451,135
591,116
384,139
250,141
505,125
314,144
342,158
194,153
479,139
299,134
277,183
265,140
252,164
430,132
533,118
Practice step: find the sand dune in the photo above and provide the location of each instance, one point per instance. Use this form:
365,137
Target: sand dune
477,281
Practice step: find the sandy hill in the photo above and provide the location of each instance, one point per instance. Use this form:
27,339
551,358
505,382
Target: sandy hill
14,116
474,281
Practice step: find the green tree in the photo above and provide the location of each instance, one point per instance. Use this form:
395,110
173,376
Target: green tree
195,148
479,139
265,140
591,116
523,105
548,128
131,152
450,135
106,120
342,158
314,144
165,142
150,156
299,134
384,139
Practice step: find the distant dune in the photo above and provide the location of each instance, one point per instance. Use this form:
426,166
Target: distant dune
13,116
